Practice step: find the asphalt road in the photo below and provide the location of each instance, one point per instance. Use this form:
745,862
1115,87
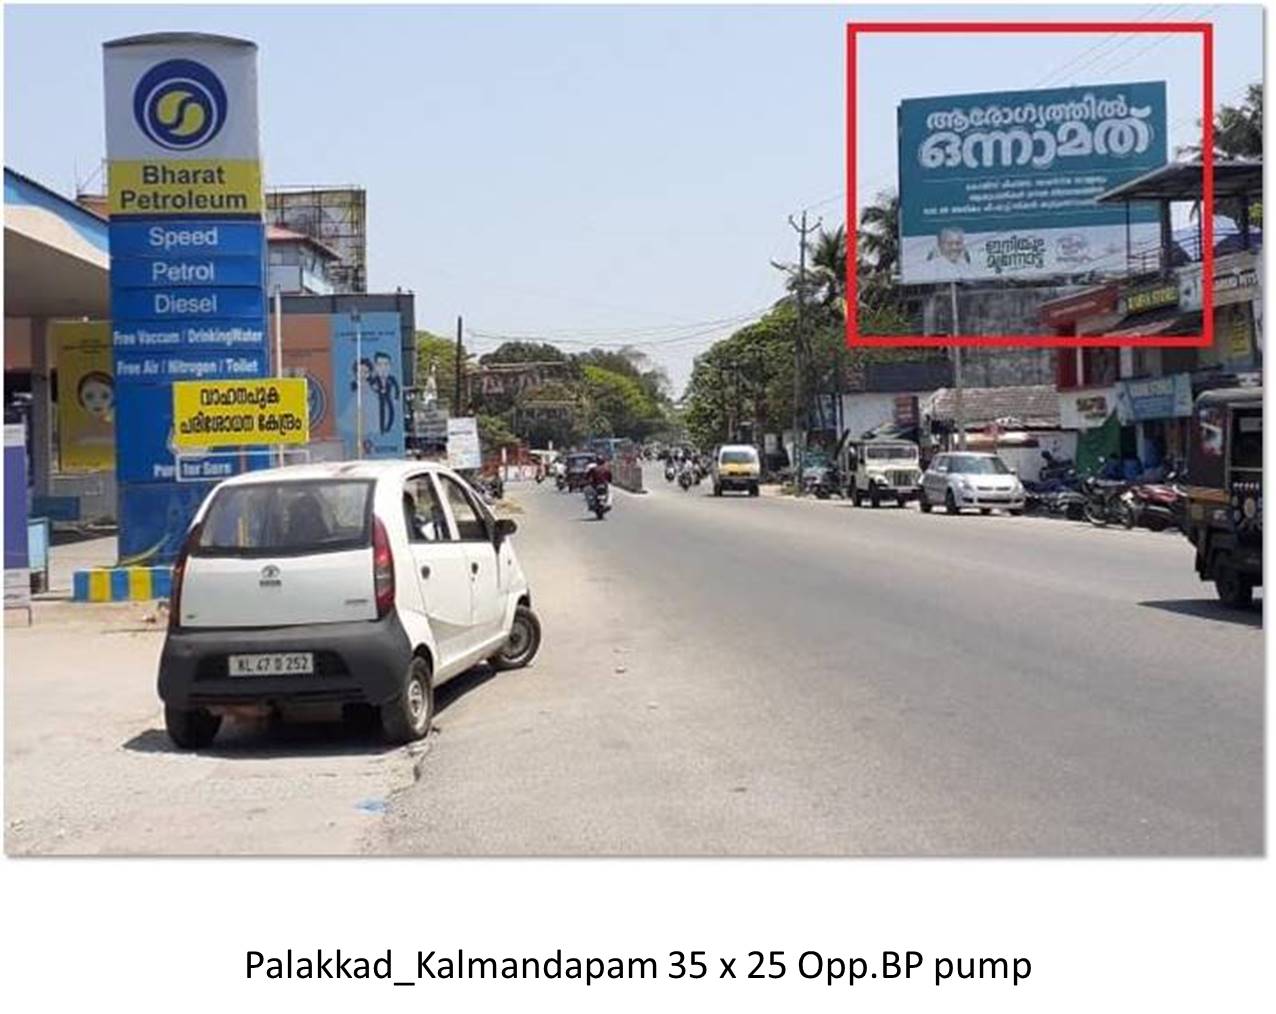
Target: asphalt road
762,676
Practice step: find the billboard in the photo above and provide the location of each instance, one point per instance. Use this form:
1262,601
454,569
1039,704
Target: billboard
367,367
1002,184
86,394
188,261
463,449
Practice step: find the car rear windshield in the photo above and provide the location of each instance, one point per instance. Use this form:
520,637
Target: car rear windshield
271,518
741,457
969,464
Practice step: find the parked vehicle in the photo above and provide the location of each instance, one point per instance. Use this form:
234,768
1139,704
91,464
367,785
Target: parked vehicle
1055,468
1107,501
1225,497
1160,505
343,583
961,479
598,500
879,471
736,467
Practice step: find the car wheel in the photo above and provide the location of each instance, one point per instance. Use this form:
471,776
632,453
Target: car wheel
753,490
717,491
1016,512
950,502
922,502
985,511
1234,590
523,643
900,501
409,716
191,728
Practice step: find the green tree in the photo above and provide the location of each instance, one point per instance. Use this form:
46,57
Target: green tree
524,352
439,353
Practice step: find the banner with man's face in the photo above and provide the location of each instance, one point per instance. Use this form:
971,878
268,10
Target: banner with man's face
1002,184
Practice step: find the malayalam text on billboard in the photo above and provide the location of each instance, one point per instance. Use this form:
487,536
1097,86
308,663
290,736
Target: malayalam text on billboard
1003,184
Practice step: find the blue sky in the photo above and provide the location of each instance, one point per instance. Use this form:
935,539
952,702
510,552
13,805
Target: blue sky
585,173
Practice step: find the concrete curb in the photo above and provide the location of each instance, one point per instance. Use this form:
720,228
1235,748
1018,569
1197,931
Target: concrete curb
121,584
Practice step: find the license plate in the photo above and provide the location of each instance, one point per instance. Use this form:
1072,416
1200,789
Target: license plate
275,664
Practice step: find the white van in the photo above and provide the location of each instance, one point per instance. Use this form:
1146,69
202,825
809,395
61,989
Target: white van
736,466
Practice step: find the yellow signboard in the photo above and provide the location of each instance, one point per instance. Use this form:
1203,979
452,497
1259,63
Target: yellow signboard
233,413
185,188
86,394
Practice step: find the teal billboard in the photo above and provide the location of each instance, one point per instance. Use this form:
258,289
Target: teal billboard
1002,184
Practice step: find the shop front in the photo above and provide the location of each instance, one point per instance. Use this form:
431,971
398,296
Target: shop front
1159,409
1237,308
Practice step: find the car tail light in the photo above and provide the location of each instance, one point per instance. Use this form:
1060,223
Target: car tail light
179,572
382,568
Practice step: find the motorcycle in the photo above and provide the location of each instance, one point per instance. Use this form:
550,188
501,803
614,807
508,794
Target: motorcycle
598,500
1055,468
671,472
685,479
1108,501
820,483
1160,505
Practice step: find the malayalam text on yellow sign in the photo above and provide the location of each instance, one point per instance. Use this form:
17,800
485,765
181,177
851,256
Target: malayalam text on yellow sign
233,413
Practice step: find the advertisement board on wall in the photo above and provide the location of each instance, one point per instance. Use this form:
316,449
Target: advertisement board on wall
17,574
86,394
1002,184
367,358
221,413
1087,408
1167,397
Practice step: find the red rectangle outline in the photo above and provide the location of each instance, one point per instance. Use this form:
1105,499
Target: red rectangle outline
1204,29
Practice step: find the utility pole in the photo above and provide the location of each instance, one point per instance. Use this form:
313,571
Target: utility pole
357,318
959,406
798,340
457,408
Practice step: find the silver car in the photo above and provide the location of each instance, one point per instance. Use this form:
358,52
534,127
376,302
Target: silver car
960,479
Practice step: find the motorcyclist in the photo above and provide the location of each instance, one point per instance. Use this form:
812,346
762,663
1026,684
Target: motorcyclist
598,473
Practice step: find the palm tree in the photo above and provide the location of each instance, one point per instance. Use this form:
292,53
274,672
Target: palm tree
879,236
828,265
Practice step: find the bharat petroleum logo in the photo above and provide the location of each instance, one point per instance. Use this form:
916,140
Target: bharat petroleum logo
180,104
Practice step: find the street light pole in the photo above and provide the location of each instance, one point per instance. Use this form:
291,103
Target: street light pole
279,347
959,406
802,230
358,382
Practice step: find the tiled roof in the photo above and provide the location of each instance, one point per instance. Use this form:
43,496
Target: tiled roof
1032,405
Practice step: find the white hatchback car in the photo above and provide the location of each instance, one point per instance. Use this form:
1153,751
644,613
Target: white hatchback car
970,479
342,583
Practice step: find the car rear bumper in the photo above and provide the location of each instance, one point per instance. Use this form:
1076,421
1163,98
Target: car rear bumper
737,481
357,662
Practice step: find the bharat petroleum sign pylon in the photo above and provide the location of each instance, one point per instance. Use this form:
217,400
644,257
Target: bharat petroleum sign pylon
187,262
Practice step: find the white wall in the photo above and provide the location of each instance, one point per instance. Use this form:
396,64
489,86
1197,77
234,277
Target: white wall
868,410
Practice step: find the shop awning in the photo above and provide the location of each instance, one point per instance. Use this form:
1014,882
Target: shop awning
1170,321
1183,181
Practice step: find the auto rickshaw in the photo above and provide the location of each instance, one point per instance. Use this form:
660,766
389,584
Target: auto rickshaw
1225,494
